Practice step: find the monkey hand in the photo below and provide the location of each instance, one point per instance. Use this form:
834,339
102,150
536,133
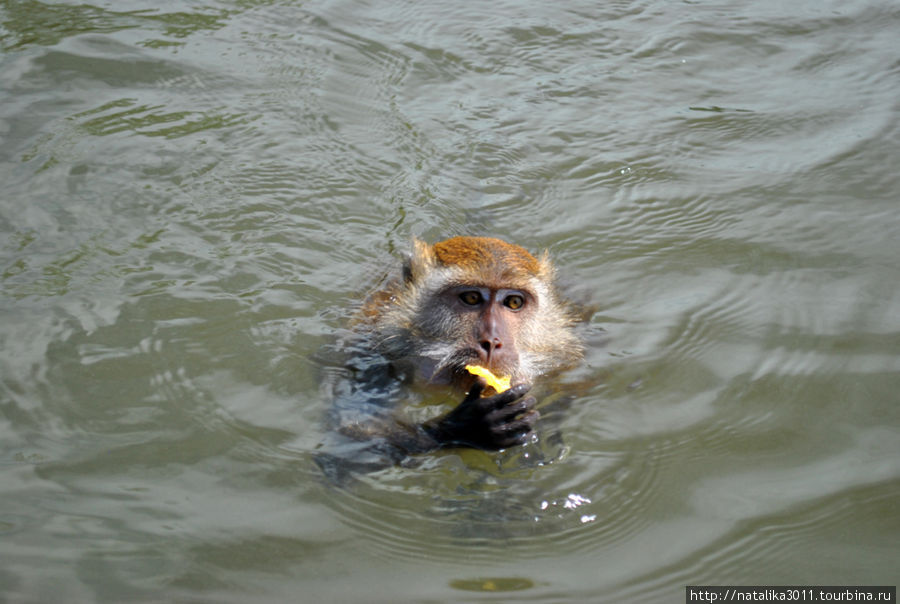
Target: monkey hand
493,422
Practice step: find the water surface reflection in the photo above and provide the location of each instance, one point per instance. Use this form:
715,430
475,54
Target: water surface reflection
195,197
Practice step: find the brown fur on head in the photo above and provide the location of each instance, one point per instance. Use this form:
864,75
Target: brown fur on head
419,316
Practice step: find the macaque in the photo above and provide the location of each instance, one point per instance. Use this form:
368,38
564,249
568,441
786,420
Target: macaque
464,301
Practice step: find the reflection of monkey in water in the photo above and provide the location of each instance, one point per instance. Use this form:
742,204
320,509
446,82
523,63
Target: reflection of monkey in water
466,300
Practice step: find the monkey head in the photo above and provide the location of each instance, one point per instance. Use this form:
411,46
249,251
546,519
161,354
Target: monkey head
474,300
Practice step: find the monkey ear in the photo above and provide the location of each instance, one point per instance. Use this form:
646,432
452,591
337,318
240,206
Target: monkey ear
545,267
419,262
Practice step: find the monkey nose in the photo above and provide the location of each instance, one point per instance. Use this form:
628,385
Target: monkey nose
489,345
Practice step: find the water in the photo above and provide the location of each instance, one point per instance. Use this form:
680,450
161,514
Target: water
195,195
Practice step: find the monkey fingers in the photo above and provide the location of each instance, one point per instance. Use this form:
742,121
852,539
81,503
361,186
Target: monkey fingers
484,423
512,424
516,432
477,388
506,397
509,412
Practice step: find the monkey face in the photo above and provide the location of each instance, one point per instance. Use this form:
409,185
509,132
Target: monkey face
473,300
475,324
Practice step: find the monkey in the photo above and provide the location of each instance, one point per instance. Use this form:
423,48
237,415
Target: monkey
461,301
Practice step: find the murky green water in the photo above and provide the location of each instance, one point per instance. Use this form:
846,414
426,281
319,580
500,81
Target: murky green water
194,195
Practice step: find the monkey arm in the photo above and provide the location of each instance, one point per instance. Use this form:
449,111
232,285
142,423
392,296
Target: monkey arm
366,434
363,431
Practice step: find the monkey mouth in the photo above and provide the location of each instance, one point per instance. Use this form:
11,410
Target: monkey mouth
451,368
471,356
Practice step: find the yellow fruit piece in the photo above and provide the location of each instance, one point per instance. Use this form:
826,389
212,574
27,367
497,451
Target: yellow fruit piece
497,383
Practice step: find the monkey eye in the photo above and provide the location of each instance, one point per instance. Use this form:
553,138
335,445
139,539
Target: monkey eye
471,298
514,301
